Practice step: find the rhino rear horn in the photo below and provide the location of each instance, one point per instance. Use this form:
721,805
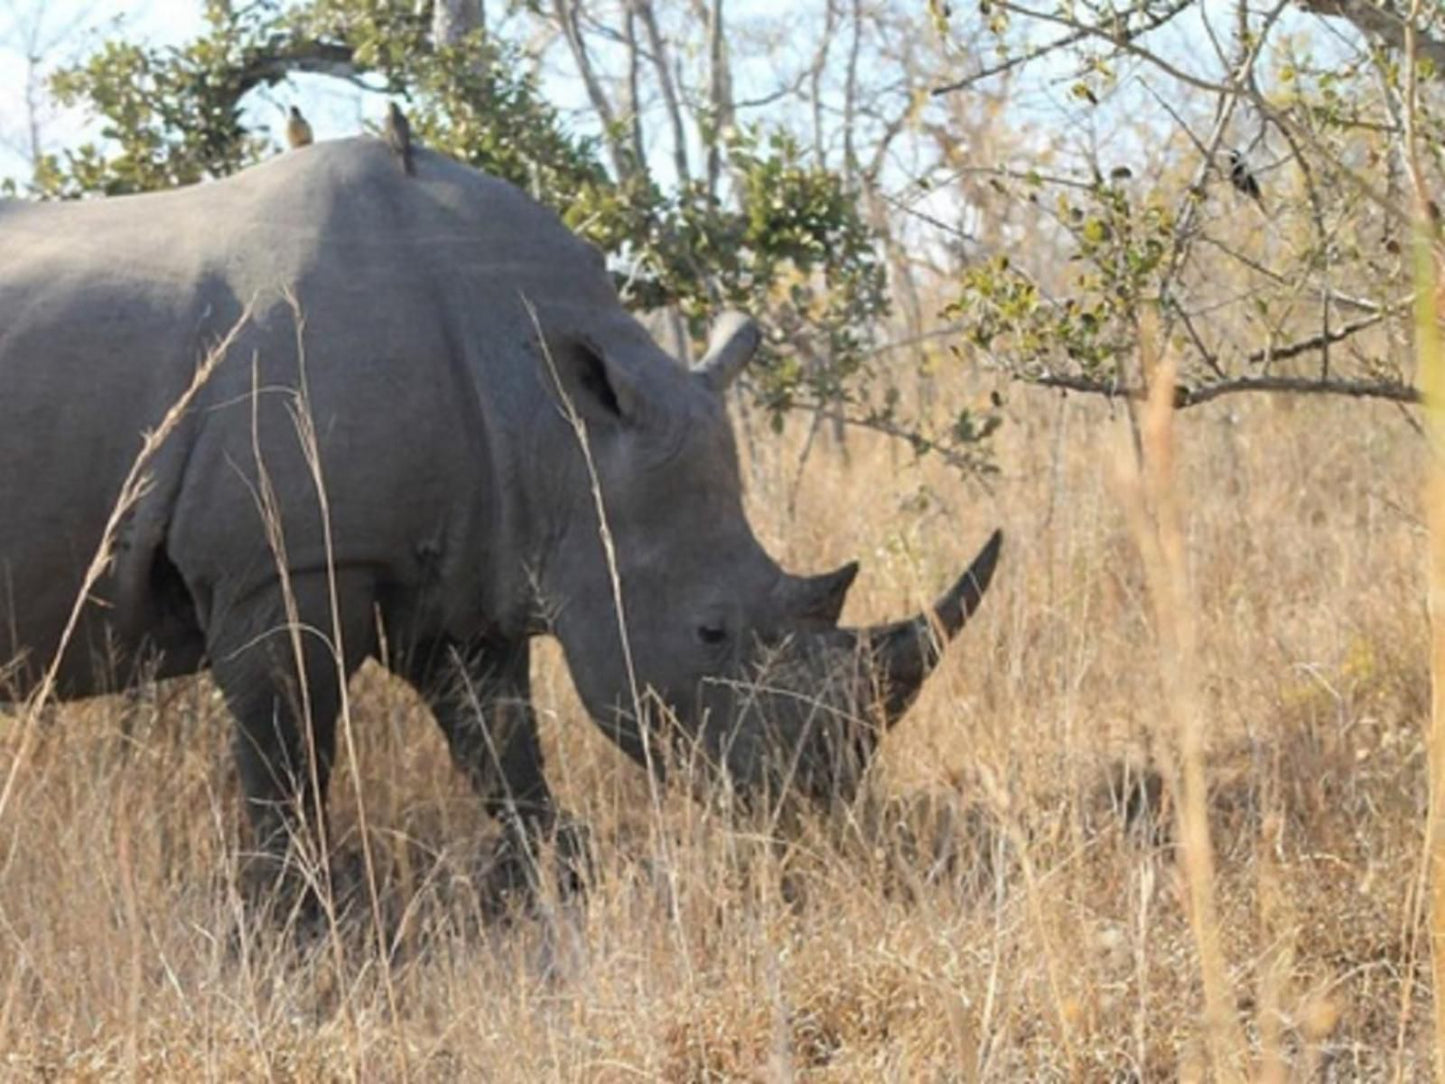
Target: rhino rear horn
821,598
735,339
906,652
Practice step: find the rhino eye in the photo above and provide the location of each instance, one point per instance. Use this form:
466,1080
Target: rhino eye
712,635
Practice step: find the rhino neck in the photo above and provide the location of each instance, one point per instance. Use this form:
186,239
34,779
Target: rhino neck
559,543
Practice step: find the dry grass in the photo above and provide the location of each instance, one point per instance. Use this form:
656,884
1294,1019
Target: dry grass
1047,940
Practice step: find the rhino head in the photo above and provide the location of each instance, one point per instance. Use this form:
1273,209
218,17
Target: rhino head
669,609
807,715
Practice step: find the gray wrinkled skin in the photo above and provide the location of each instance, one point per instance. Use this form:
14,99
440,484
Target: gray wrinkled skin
461,519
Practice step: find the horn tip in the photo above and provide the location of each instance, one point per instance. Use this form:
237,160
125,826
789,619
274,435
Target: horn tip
968,592
994,544
735,338
983,565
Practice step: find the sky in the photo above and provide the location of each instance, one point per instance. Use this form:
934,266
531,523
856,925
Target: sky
70,29
333,108
66,30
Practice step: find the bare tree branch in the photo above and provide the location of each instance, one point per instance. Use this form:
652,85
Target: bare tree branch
1193,396
658,51
719,93
309,56
1381,20
39,36
850,96
815,76
453,20
951,456
1078,33
566,14
634,94
1388,390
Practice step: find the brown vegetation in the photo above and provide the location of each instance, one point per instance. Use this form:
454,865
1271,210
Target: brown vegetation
1003,906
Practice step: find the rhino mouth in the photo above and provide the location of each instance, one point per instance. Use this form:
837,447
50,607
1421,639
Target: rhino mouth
810,714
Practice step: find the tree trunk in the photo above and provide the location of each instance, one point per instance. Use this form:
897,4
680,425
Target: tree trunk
452,20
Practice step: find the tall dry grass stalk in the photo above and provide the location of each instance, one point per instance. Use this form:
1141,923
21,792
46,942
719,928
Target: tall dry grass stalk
135,486
1157,518
1431,379
304,423
642,700
651,757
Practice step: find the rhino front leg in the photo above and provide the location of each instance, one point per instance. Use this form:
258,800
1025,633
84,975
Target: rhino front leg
274,655
481,697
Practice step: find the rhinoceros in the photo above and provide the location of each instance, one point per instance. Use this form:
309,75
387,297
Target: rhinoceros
492,448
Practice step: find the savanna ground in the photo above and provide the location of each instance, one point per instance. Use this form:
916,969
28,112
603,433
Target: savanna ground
1051,942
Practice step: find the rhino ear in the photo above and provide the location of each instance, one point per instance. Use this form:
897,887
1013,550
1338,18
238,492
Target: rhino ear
735,339
820,599
577,371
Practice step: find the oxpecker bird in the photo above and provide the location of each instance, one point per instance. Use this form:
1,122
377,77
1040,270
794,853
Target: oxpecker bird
298,130
1243,178
398,137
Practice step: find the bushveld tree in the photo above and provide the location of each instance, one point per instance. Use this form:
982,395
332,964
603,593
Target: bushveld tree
890,186
728,209
1261,196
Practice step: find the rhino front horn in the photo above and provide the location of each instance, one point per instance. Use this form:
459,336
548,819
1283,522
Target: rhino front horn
905,653
734,340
